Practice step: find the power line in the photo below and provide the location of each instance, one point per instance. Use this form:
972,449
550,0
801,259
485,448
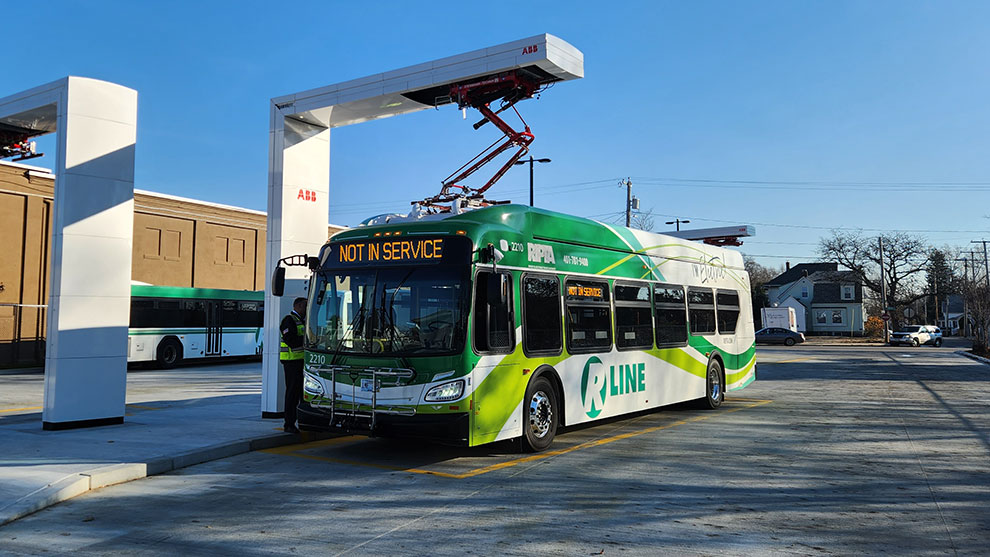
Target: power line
811,227
831,184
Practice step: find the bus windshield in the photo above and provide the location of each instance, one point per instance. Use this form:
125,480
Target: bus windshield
416,311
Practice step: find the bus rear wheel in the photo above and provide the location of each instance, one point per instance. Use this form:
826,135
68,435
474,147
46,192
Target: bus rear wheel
169,353
714,386
540,416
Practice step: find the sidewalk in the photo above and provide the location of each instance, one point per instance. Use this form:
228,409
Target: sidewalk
41,468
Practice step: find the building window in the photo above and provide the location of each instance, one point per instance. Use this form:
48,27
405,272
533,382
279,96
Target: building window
836,316
848,292
804,291
822,317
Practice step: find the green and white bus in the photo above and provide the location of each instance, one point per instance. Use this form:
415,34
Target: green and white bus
509,321
172,324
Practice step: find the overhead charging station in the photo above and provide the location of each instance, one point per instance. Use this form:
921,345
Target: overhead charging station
299,150
95,123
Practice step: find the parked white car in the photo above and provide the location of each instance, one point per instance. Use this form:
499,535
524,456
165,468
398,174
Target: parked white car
916,335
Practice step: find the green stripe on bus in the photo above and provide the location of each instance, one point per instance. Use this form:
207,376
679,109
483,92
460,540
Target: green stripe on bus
148,291
186,331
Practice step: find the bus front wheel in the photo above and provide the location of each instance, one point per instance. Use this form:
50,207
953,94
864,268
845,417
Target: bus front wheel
714,386
169,353
540,415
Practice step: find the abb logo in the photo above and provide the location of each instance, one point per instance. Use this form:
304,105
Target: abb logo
530,49
307,195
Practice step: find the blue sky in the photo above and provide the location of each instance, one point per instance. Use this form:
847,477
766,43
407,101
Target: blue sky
797,117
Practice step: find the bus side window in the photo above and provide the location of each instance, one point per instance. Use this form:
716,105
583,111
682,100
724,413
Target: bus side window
193,313
168,313
701,305
541,315
671,315
633,317
728,310
142,313
589,317
493,330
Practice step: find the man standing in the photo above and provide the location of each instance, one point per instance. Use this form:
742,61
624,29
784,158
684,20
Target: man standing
290,352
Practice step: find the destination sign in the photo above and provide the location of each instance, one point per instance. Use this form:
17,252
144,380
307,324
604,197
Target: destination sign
588,292
398,251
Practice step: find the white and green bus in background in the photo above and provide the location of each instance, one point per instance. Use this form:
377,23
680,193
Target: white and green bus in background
508,322
172,324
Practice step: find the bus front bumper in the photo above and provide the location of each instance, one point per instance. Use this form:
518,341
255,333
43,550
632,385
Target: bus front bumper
446,428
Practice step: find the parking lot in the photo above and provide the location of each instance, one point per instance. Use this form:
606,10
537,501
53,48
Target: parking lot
840,449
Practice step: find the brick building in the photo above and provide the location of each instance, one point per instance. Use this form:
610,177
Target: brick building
177,242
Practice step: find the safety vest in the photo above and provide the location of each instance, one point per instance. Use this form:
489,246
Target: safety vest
286,353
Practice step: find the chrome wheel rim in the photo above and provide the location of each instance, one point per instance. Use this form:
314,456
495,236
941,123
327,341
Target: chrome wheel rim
716,389
540,414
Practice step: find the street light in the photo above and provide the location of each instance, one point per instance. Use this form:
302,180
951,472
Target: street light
678,222
530,162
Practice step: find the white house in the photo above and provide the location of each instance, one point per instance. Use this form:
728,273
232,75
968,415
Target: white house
825,300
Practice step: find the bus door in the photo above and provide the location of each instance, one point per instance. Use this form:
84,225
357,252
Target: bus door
214,328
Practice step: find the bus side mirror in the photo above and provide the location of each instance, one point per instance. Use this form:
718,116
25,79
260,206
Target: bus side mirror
313,263
278,281
489,254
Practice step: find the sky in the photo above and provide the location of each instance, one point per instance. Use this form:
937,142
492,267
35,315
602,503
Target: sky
795,117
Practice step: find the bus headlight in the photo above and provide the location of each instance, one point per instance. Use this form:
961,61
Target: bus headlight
312,386
445,392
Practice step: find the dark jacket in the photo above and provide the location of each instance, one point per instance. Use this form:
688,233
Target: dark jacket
290,335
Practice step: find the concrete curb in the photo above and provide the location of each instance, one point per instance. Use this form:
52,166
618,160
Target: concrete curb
77,484
972,356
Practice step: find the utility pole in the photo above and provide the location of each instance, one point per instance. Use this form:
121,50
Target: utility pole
986,266
965,326
883,291
935,294
628,184
679,222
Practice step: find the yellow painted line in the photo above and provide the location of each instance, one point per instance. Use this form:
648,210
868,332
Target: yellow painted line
21,409
788,361
293,450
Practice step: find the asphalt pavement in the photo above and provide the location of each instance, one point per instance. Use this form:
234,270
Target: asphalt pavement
174,418
834,450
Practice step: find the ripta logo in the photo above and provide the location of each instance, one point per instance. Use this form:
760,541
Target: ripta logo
709,270
540,253
597,383
307,195
530,49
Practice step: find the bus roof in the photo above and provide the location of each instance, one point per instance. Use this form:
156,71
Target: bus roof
149,291
530,223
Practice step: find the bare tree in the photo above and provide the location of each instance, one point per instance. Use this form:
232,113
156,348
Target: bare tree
758,277
905,259
978,306
642,220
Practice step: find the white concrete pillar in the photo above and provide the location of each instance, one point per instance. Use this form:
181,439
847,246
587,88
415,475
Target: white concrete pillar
92,229
298,208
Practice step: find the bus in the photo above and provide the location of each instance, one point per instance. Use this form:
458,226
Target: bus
171,324
507,322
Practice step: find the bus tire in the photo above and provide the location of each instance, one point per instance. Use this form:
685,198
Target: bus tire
540,415
714,386
169,353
